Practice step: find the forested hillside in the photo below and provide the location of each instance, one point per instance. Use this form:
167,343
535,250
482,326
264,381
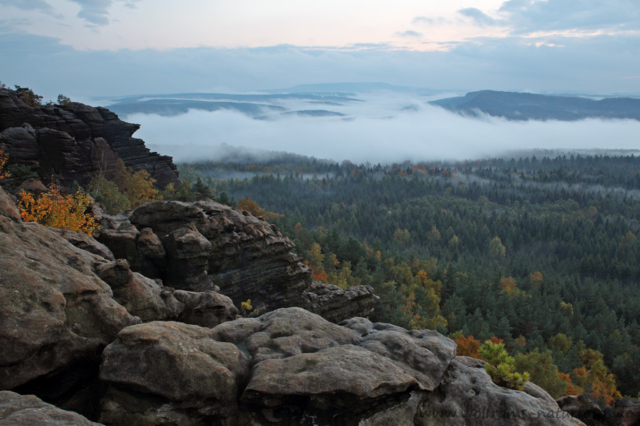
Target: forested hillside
541,253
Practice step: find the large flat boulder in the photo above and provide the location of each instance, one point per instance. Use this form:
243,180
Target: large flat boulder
164,372
28,410
284,333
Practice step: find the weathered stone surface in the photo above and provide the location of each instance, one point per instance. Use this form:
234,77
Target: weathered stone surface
35,187
174,360
283,333
56,315
141,296
54,308
626,412
206,309
73,142
249,259
187,259
170,371
336,304
86,243
142,249
425,354
468,396
334,381
583,407
28,410
330,376
8,208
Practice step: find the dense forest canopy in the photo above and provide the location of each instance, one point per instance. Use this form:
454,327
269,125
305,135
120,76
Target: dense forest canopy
541,253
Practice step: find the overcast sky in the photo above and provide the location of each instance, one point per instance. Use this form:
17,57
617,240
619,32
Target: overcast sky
114,47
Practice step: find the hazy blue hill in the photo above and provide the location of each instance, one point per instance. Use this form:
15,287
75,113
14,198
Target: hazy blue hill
170,107
527,106
352,88
253,105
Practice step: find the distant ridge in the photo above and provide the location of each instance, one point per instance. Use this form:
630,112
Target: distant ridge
354,88
528,106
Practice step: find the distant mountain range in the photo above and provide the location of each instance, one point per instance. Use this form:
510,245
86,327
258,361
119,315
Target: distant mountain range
528,106
338,99
355,88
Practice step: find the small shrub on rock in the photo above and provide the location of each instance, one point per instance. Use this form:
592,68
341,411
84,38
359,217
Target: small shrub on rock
501,367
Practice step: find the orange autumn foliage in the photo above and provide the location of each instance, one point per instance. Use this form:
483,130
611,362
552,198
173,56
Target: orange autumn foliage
571,390
468,346
3,160
58,211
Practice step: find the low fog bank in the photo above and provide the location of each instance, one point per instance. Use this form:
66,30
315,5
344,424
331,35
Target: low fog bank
385,131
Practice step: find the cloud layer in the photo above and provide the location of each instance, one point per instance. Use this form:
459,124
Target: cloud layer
380,132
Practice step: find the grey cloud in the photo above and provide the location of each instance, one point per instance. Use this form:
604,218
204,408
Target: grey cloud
479,17
29,5
409,33
583,65
96,12
556,15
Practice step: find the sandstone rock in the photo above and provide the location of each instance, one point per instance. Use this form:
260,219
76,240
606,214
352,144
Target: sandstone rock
283,333
626,412
35,187
172,371
86,243
187,259
56,317
19,410
8,208
337,381
54,308
249,259
142,249
140,295
424,354
336,304
583,407
73,142
468,396
174,360
206,309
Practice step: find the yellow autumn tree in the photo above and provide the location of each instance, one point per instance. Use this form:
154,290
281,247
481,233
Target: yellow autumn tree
58,211
3,160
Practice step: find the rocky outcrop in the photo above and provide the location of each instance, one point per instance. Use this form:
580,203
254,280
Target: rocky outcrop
626,412
151,301
583,407
63,300
85,242
208,246
56,314
19,410
467,395
292,367
336,304
72,142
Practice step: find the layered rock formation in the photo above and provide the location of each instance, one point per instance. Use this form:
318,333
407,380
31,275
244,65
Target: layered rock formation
72,142
204,245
